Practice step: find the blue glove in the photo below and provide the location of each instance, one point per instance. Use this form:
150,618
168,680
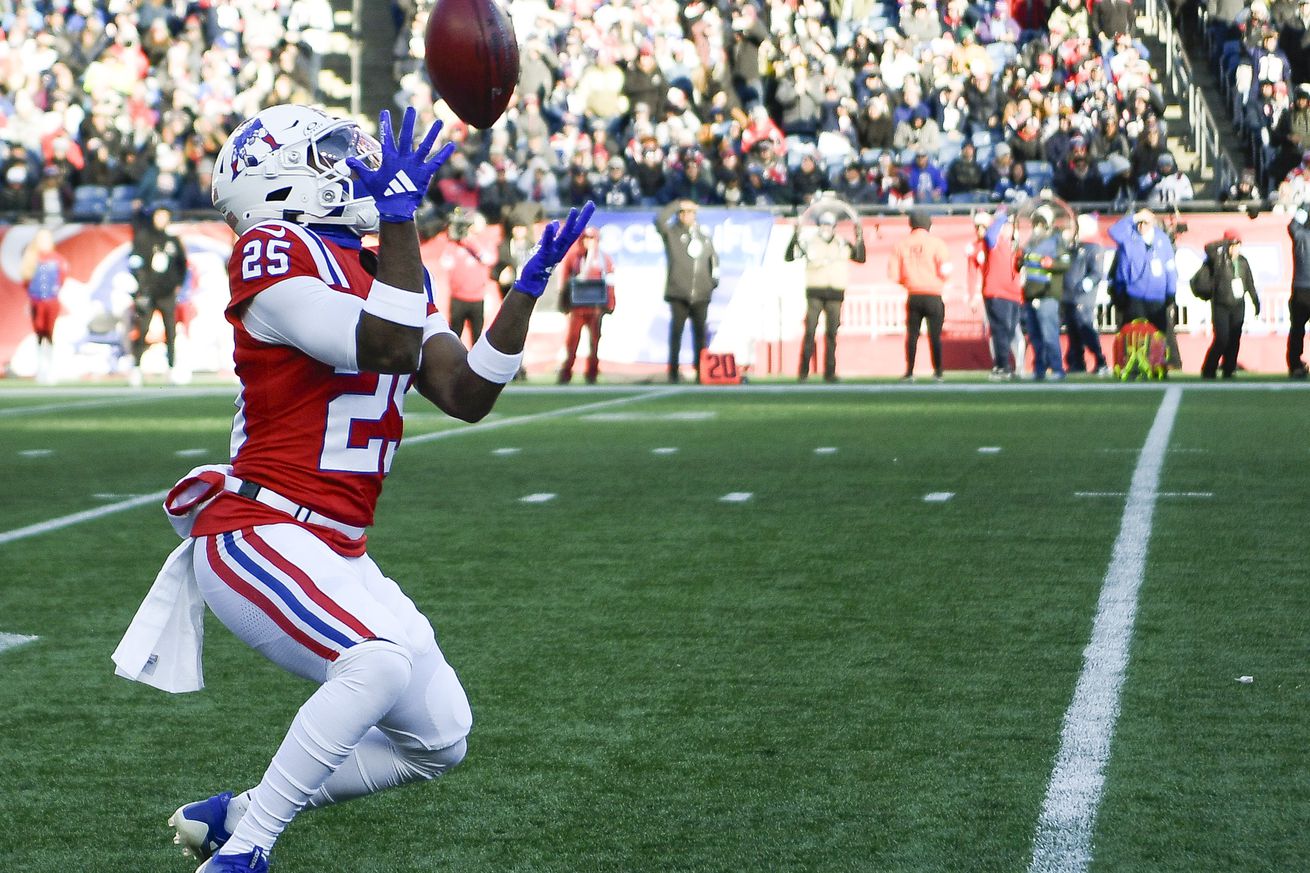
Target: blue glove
399,185
555,243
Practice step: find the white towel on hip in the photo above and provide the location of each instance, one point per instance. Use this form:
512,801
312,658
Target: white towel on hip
163,644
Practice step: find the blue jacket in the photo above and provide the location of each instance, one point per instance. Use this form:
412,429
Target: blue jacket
1144,272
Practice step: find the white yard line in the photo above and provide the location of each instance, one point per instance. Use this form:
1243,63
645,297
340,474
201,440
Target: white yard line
102,397
78,517
13,641
1063,839
88,515
938,496
537,416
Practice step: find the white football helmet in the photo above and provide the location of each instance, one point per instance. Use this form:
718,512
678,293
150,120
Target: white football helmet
289,162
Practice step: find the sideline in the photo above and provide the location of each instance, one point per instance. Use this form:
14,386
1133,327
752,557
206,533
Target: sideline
54,524
1063,839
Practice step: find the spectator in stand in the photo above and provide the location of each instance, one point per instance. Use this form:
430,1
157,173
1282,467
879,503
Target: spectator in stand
690,182
854,186
762,128
965,174
749,38
1146,158
618,189
919,23
1017,187
1268,62
540,185
1288,132
1244,191
1057,145
644,83
921,264
578,187
500,194
800,96
1071,17
651,174
925,178
874,126
807,180
918,131
1172,185
1026,143
998,168
1111,18
1110,139
1295,40
1120,187
1079,179
984,101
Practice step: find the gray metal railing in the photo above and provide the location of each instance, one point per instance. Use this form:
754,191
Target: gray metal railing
1177,73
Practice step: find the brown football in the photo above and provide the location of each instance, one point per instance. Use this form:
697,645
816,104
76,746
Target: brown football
472,58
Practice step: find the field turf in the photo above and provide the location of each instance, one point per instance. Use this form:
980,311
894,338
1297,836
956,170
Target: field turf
832,674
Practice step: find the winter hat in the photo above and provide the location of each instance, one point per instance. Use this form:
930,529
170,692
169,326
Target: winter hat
920,220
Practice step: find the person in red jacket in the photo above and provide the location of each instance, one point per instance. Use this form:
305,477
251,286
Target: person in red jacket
1002,292
587,295
468,270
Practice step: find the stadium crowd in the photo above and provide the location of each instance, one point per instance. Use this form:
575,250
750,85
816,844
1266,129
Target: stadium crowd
739,102
109,105
724,102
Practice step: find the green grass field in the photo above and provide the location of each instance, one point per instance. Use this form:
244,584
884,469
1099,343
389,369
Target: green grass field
832,675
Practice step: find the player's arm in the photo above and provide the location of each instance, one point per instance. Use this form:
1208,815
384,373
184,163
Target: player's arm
389,333
465,384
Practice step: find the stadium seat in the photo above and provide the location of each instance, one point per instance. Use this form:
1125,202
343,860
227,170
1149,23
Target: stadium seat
1040,173
90,203
120,202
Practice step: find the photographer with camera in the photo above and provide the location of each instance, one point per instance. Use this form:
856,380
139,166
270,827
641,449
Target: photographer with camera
1225,280
587,295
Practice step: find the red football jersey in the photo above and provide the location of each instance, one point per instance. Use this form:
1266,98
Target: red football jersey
321,437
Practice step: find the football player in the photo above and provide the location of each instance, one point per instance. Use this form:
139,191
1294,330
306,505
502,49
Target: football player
330,335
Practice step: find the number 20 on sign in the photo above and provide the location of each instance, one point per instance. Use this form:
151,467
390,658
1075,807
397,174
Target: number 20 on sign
719,369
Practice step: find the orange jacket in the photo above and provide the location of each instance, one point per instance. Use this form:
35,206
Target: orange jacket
921,263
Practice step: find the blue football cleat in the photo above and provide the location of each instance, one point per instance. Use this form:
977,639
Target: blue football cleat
255,861
200,826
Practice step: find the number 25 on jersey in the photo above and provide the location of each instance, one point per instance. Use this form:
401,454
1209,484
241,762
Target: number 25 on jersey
260,258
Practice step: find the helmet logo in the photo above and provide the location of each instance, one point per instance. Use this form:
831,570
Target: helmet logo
253,143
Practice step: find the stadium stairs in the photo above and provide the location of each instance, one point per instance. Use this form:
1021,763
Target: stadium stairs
1201,134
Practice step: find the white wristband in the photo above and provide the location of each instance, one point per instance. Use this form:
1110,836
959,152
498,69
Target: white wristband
396,305
491,364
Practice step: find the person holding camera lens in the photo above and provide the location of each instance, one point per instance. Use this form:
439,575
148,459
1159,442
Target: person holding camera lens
587,295
826,258
1226,279
158,262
